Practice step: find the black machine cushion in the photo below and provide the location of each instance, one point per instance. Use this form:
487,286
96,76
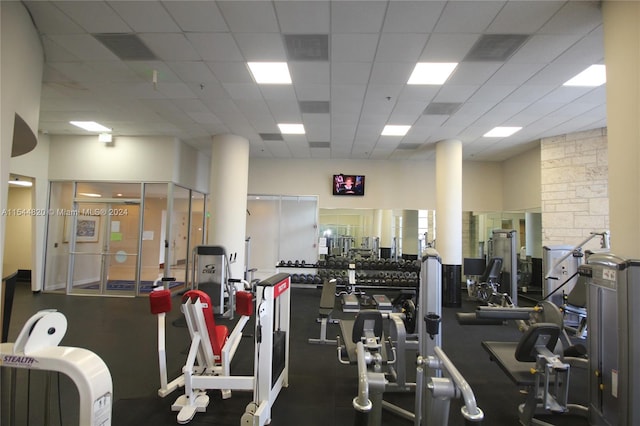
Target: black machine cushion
370,318
540,334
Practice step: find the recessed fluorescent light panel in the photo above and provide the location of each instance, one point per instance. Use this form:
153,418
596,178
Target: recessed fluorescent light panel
291,129
431,72
501,132
595,75
90,126
24,183
270,72
391,130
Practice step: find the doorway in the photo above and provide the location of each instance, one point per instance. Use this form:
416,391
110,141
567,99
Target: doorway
104,240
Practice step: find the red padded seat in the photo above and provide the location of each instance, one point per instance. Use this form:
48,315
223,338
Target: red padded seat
218,334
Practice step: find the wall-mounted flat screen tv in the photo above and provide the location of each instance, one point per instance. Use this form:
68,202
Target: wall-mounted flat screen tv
348,184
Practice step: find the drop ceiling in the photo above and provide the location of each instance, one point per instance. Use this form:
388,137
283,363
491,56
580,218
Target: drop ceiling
349,62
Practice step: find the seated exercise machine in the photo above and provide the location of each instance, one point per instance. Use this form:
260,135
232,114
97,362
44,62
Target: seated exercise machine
532,363
211,274
487,288
37,348
208,364
381,361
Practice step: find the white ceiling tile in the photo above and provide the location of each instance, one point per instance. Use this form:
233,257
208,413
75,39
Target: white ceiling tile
285,111
303,17
310,72
342,132
400,47
321,153
249,16
448,47
488,93
204,117
268,47
313,92
145,69
357,73
357,16
196,16
317,126
191,105
170,47
242,91
473,73
95,16
587,51
555,74
215,46
419,93
541,48
467,16
51,20
145,16
278,149
353,47
347,94
455,93
514,74
412,16
575,17
523,17
388,73
192,71
57,53
528,93
279,93
84,47
231,72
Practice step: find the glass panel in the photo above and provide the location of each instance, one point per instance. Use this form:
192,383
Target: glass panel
179,241
154,231
197,233
57,244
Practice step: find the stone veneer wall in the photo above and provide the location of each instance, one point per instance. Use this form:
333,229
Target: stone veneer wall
574,187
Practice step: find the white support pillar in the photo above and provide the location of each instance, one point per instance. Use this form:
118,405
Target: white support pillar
228,197
410,232
449,217
622,57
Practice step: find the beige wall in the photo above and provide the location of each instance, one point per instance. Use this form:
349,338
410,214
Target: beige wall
521,181
389,184
21,64
17,250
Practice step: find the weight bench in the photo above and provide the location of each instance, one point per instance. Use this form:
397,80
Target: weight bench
327,303
531,363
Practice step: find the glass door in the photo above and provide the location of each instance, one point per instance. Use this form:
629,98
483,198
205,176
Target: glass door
104,238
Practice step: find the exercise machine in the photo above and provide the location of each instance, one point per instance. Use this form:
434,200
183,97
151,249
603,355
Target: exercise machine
208,364
211,274
503,245
37,347
563,286
381,361
613,296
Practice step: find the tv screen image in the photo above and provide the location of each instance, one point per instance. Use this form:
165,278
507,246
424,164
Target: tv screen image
348,184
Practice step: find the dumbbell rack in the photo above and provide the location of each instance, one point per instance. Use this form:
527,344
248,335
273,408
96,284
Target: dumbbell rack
370,274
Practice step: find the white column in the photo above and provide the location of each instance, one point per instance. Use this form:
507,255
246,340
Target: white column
533,228
622,57
410,232
228,197
449,201
449,218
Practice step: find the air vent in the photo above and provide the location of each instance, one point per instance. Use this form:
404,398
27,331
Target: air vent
441,108
127,47
409,145
315,107
307,47
495,47
319,144
271,136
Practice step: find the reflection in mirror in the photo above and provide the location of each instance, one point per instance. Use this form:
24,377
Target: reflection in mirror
380,233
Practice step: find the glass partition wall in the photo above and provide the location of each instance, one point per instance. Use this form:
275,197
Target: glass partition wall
115,239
